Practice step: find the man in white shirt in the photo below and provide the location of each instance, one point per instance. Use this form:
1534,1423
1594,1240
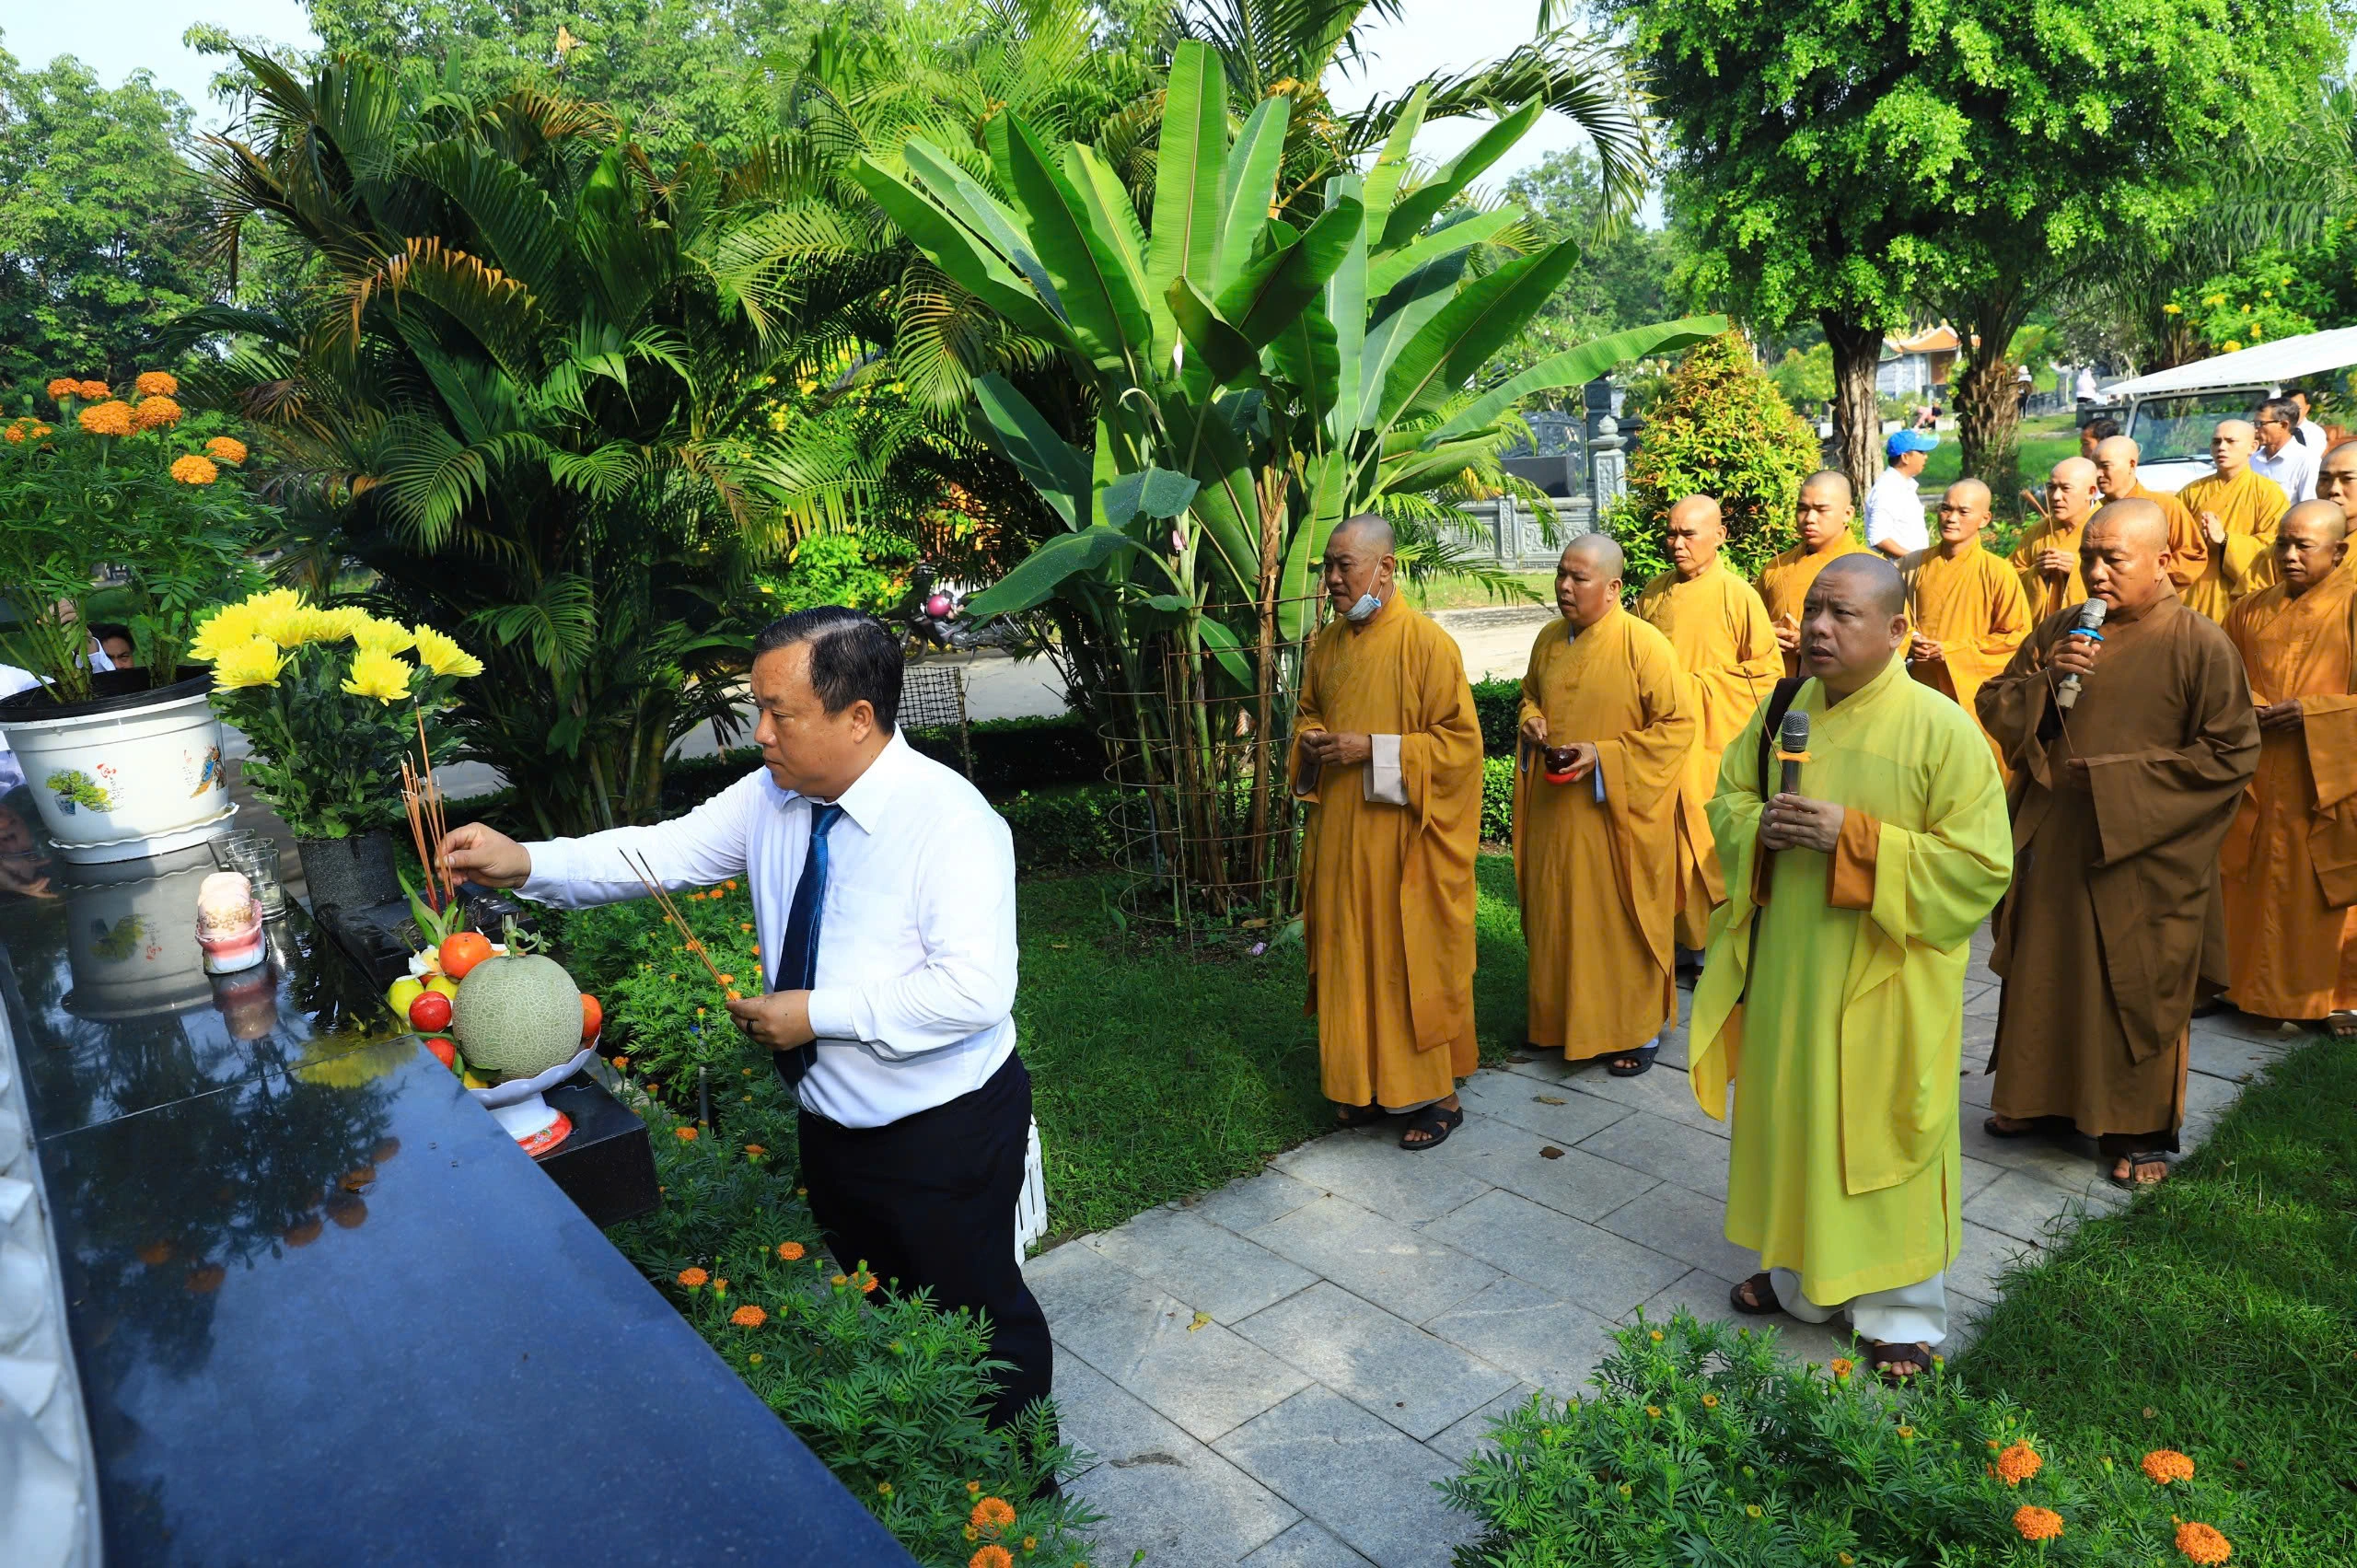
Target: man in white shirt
885,884
1894,509
2312,435
2282,455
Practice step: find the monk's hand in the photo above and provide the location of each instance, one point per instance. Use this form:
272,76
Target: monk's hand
1922,649
2077,655
1788,634
1584,760
2213,528
2056,563
1794,821
2281,715
1344,750
1534,729
780,1019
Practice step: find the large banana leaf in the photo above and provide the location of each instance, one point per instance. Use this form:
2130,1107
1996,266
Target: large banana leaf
1473,229
979,268
1278,285
1336,403
1403,312
1024,437
1218,346
1419,206
1041,573
1391,163
1248,188
1188,170
1083,258
1577,366
1446,352
1325,484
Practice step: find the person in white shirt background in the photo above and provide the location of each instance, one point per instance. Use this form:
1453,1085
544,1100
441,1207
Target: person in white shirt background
885,884
2312,435
2280,454
1895,522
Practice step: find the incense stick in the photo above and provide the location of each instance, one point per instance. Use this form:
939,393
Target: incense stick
645,874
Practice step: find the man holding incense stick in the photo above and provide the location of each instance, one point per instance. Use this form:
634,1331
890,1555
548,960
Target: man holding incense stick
885,885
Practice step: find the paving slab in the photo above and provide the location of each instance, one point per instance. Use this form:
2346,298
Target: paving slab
1253,1200
1371,1170
1542,1169
1411,1275
1606,1273
1470,1435
1205,1379
1307,1545
1160,1490
2233,1057
1389,1367
2030,1210
1686,1157
1665,1092
2060,1159
1538,1337
1544,1109
1983,1259
1684,1225
1209,1268
1366,1481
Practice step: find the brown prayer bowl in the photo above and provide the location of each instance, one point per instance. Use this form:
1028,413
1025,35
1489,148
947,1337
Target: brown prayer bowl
1558,763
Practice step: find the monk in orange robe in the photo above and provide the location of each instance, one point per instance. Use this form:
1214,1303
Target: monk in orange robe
1966,605
1822,515
2237,509
1726,648
2116,457
2115,924
2290,865
1606,728
1388,750
2048,556
2337,480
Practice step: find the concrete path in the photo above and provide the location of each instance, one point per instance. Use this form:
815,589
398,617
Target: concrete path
1274,1373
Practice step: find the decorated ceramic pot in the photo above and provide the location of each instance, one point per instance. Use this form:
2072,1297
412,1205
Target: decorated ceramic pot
228,922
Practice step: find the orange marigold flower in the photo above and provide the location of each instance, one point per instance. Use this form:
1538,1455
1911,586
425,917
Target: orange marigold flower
866,1281
990,1557
1841,1368
693,1278
15,432
63,387
2037,1524
2018,1463
226,450
106,419
1709,1401
156,384
839,1282
748,1317
992,1514
754,1151
2203,1543
92,390
2165,1465
685,1134
790,1250
194,470
155,413
973,1488
729,980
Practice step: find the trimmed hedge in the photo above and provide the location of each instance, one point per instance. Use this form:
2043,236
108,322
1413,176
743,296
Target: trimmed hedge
1499,704
1014,755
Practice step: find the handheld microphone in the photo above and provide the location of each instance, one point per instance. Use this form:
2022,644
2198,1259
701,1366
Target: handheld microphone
1791,745
2066,691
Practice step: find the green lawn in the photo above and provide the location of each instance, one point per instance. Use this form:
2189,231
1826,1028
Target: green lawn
2217,1316
1456,590
1157,1073
2045,442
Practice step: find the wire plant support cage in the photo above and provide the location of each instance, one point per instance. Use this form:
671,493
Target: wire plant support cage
1209,828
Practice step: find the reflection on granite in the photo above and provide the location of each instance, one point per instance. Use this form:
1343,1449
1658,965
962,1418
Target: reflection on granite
326,1312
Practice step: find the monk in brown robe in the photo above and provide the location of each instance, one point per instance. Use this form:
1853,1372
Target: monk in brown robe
2237,509
1822,516
2337,480
1966,605
1607,724
2115,919
1388,750
2290,860
2116,457
2047,555
1727,650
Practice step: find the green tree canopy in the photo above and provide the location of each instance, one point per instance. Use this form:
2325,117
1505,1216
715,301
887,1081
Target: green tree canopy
1624,275
101,224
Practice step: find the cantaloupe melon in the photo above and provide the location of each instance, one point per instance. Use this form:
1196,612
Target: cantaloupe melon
519,1015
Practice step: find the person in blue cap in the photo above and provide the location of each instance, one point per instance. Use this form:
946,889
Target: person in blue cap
1893,510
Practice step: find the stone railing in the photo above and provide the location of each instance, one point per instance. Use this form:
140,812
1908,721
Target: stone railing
1513,533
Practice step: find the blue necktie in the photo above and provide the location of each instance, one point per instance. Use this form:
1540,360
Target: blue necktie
797,964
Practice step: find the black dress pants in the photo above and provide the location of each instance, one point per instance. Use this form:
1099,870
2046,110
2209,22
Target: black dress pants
928,1202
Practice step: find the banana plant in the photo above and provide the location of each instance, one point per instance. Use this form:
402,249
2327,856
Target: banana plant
1255,381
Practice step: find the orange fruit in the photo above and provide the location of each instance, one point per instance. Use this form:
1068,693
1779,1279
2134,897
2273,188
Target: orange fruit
462,951
593,1017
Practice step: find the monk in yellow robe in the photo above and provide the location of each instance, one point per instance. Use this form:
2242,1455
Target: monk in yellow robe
2116,457
2048,556
2336,481
2237,509
2289,866
2115,922
1607,724
1822,516
1388,750
1966,605
1719,628
1834,994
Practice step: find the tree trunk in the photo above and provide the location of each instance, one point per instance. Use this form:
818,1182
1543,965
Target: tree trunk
1988,398
1857,409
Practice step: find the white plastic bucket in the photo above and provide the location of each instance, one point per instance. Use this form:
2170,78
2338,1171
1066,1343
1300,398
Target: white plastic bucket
127,783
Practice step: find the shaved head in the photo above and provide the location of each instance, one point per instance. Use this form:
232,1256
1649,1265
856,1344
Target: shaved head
1964,511
2319,515
2337,477
2070,491
1873,577
1587,580
1601,550
2124,557
1365,531
2120,447
2116,466
2310,542
1969,492
2238,429
1832,481
2140,522
1822,513
1356,570
1853,620
1693,533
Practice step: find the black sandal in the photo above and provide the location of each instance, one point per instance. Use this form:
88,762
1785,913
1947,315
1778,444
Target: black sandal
1365,1115
2158,1156
1764,1302
1436,1121
1640,1062
2026,1130
1882,1354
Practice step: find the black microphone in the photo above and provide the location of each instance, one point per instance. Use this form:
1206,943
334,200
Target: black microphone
2066,691
1792,741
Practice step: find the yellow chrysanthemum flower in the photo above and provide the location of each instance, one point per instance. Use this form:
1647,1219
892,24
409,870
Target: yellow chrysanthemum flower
254,662
379,674
440,653
156,384
382,637
106,419
191,469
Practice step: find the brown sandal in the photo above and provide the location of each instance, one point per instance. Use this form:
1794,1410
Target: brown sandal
1882,1354
1762,1302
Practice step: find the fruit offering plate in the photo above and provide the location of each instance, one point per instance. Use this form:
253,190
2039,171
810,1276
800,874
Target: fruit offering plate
517,1090
425,961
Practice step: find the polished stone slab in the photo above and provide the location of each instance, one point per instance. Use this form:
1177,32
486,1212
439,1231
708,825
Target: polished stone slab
1384,1365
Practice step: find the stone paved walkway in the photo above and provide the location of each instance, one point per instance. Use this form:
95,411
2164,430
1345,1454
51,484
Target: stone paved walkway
1274,1373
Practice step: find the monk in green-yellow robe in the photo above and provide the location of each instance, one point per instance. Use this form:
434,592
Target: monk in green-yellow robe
1833,997
1387,751
1606,723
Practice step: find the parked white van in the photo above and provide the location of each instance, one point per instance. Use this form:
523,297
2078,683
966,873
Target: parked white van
2171,413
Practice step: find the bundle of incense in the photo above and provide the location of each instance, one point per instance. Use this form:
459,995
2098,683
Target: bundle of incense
645,875
422,795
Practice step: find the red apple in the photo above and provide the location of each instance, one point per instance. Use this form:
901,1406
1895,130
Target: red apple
444,1051
430,1012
